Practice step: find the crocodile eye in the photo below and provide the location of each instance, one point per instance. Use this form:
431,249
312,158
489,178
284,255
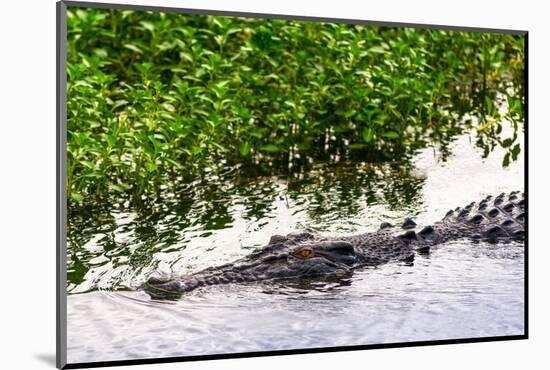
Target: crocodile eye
304,253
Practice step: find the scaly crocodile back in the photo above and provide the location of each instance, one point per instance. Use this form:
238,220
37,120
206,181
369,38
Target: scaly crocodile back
494,219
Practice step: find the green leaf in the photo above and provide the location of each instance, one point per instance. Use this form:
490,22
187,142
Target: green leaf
376,50
390,134
290,104
133,48
515,151
244,149
271,148
77,197
119,103
149,26
116,187
111,140
368,135
489,105
506,160
174,163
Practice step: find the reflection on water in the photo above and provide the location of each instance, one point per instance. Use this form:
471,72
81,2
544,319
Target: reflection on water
460,290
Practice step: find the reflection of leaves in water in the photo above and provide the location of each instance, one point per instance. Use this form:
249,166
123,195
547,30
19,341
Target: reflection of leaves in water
257,197
491,137
215,214
77,270
341,191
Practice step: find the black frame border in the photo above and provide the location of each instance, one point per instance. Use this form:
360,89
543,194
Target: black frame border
61,198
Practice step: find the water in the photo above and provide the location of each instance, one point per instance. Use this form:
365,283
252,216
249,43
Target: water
461,290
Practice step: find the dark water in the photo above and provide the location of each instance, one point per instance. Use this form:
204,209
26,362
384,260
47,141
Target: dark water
461,290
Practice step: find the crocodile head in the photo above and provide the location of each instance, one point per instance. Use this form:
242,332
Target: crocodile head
299,254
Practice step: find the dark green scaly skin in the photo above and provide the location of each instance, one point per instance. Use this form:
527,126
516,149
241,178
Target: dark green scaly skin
494,219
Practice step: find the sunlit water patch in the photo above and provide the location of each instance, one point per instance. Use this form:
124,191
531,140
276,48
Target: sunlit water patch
461,290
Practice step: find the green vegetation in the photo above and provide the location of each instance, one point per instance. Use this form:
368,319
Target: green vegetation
156,98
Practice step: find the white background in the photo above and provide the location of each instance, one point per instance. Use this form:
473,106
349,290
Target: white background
27,186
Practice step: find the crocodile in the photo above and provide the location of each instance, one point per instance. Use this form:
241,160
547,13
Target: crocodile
306,253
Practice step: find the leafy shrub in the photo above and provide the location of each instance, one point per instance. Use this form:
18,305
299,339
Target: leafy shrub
155,98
